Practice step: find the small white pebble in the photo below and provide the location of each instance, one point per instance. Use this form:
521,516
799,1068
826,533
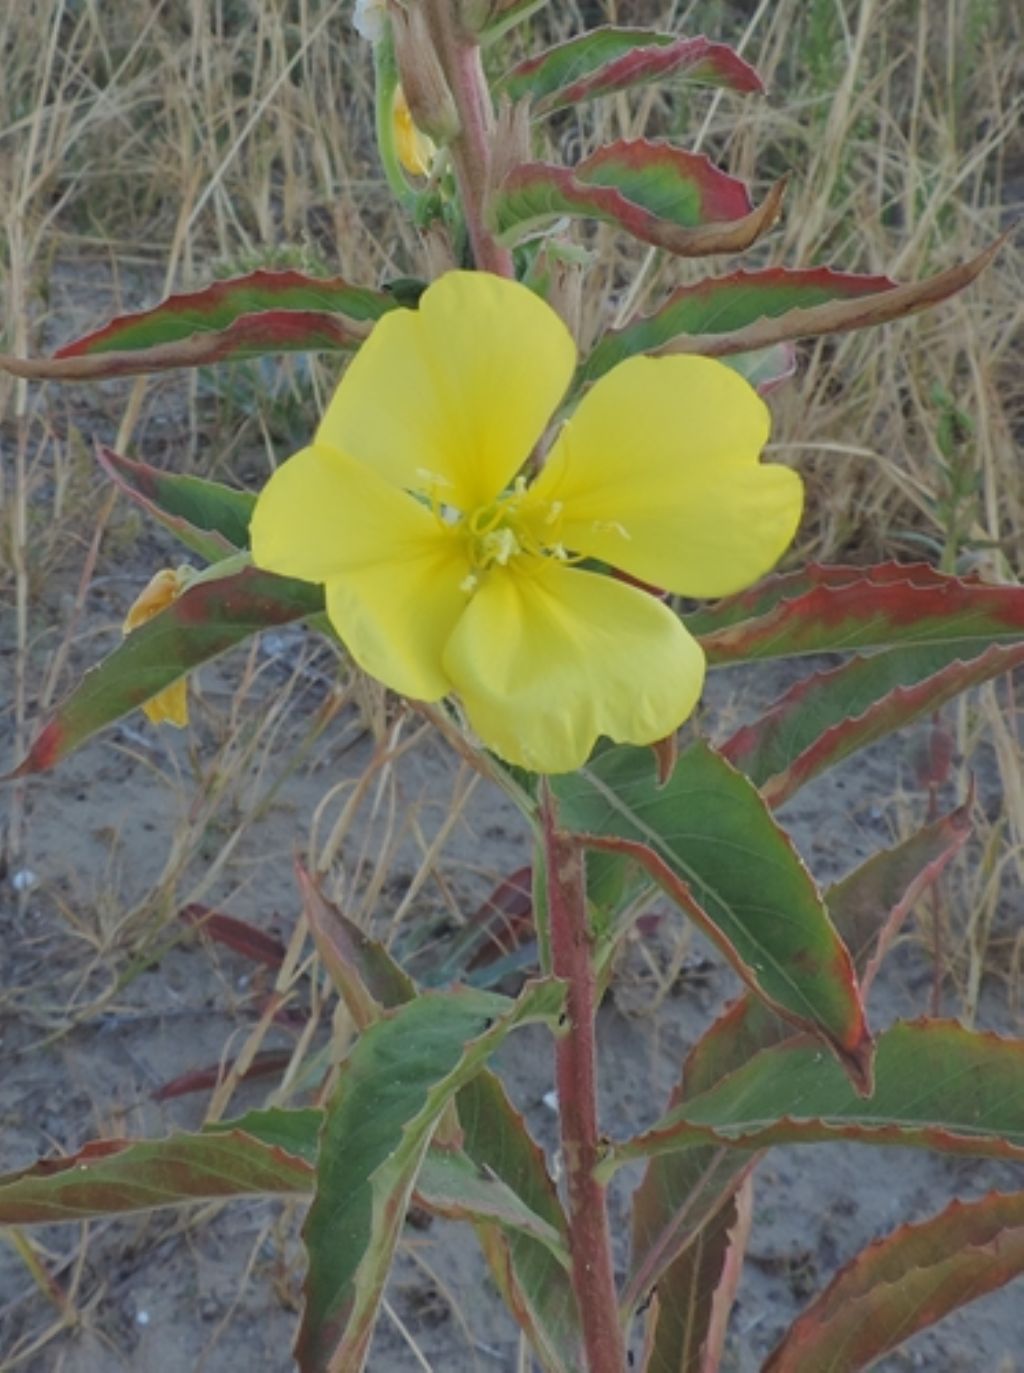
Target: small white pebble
550,1100
24,879
142,1318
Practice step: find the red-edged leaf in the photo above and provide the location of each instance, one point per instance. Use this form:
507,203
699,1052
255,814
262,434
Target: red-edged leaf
208,517
605,60
874,609
937,1086
113,1175
529,1276
658,193
773,591
724,305
850,306
234,934
367,978
708,840
830,715
680,1192
263,312
206,620
689,1314
905,1282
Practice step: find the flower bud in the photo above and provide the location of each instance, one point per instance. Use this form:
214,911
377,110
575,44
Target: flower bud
426,90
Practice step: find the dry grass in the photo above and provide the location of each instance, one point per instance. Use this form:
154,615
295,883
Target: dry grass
148,147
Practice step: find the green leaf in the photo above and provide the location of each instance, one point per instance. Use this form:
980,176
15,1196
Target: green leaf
209,518
658,193
117,1175
206,620
937,1086
390,1095
246,317
905,1282
494,17
495,1141
843,609
605,60
829,716
529,1274
748,310
708,840
681,1191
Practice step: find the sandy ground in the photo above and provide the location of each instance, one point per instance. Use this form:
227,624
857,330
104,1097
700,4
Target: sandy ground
188,1291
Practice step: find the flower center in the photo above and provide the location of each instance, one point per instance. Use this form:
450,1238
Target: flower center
502,530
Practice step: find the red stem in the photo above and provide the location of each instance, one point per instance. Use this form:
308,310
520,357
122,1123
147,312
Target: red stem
470,150
593,1275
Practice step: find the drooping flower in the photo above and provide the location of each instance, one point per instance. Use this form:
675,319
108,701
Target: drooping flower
169,706
447,570
415,150
370,19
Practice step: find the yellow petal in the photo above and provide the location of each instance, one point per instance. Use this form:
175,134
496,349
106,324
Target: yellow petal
322,514
658,473
392,569
170,706
454,395
415,149
546,658
396,616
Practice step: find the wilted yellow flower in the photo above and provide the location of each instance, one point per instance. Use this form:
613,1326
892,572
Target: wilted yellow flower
169,706
447,570
415,150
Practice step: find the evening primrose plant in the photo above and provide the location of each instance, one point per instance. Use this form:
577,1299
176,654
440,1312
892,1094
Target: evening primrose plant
497,517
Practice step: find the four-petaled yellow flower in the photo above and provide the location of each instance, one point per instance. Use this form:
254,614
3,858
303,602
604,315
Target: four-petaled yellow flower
169,706
447,570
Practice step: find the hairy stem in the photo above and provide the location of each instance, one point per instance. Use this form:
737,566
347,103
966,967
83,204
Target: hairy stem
470,150
576,1076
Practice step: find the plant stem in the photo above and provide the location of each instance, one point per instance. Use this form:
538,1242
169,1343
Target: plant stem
593,1275
470,150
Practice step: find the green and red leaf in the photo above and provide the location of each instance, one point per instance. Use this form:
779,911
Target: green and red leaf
208,517
905,1282
605,60
680,1192
206,620
722,306
118,1175
245,317
529,1274
707,838
753,310
937,1086
660,194
841,610
689,1313
391,1093
830,715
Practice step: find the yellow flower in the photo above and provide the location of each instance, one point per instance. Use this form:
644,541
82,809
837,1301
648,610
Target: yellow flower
415,150
446,570
169,706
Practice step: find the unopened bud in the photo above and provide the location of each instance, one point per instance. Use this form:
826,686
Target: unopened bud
426,90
